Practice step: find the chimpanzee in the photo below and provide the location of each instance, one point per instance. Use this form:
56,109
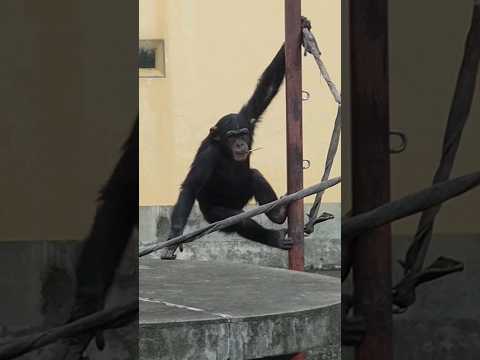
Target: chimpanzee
115,221
220,177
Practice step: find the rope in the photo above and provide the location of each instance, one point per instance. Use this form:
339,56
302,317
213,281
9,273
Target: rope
219,225
408,205
100,320
311,46
459,113
332,150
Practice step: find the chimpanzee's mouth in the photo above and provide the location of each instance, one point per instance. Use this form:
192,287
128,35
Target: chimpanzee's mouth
240,155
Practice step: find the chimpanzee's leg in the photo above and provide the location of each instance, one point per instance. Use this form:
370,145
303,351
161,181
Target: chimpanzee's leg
264,193
249,228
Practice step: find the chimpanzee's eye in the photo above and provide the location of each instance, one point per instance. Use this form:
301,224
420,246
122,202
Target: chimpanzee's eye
239,132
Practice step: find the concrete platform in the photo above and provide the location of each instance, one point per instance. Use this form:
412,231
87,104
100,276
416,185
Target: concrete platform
212,310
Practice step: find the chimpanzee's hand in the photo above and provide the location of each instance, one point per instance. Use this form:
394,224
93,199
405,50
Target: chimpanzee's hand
169,252
306,23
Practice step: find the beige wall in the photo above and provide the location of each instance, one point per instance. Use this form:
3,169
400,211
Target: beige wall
69,96
215,52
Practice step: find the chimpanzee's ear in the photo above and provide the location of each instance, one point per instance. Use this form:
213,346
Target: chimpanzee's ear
214,134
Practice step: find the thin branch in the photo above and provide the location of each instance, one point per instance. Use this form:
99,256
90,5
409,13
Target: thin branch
240,217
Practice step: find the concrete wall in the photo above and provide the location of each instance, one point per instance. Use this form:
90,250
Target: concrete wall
215,52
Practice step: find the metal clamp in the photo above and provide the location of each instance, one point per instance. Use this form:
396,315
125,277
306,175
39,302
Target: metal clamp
403,142
305,95
306,164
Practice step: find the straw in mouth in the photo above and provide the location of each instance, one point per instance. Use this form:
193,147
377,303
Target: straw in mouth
259,148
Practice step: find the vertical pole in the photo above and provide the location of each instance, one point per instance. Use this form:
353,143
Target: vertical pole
293,76
293,80
371,171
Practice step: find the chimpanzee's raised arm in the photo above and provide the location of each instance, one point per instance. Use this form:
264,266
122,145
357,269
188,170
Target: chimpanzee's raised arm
267,88
268,84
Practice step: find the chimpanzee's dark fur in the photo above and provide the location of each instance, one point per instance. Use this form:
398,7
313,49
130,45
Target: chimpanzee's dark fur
115,220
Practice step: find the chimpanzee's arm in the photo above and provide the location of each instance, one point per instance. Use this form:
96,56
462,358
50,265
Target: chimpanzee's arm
267,87
201,169
268,84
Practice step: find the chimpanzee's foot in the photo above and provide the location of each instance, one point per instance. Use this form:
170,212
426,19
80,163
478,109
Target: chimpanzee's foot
279,239
168,253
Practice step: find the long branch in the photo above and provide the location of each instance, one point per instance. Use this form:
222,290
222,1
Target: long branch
219,225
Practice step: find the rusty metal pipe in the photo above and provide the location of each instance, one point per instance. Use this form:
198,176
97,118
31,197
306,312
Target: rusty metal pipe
371,172
293,78
293,75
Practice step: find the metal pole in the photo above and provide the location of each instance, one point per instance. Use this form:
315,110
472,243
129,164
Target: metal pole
371,171
293,76
293,79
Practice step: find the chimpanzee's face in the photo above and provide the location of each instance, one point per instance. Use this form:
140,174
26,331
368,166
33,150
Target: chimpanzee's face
234,134
238,143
